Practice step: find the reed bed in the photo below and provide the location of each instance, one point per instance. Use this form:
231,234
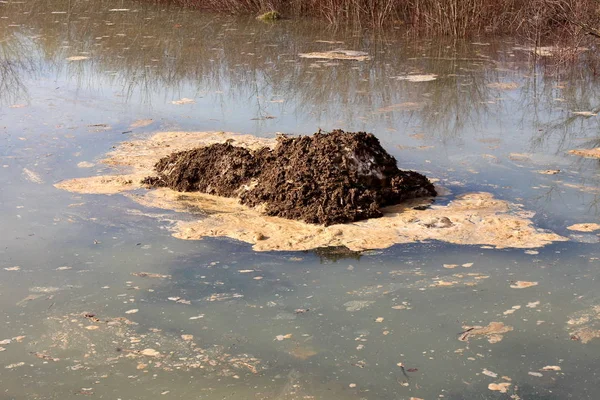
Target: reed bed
456,18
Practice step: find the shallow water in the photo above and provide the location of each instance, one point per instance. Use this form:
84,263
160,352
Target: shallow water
346,336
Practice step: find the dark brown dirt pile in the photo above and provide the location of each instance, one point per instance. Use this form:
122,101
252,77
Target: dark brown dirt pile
327,178
220,169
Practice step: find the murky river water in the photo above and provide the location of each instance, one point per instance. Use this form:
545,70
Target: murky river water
213,319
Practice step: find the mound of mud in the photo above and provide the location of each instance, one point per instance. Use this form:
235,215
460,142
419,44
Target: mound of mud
327,178
220,169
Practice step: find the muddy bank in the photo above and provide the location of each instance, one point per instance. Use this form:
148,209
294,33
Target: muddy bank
473,218
327,178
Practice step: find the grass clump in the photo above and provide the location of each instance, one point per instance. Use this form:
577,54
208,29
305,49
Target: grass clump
269,16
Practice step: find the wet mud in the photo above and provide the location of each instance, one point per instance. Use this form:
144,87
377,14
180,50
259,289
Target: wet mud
327,178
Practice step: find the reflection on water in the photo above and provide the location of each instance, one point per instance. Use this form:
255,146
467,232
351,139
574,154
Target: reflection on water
98,299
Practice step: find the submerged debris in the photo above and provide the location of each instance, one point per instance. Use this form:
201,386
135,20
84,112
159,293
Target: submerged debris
327,178
503,85
119,340
493,332
32,176
584,326
337,253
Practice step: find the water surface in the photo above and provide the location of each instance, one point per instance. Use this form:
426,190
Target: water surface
75,76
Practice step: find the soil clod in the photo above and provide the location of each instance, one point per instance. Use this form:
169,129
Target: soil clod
326,178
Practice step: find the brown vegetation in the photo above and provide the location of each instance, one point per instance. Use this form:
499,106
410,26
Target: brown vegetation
446,17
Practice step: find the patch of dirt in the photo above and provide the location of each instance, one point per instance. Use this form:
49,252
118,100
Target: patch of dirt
471,218
220,169
327,178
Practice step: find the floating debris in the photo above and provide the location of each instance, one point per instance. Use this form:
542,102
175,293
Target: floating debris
499,387
588,153
356,305
184,100
78,58
584,326
587,227
418,78
151,275
15,365
551,368
493,332
512,310
150,353
121,341
489,373
523,284
338,55
584,113
32,176
141,123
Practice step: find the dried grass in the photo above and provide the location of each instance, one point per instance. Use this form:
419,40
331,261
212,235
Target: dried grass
458,18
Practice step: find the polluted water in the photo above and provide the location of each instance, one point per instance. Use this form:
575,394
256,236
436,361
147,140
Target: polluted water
114,289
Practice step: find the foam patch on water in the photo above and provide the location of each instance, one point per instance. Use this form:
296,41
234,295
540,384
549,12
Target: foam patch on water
472,218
